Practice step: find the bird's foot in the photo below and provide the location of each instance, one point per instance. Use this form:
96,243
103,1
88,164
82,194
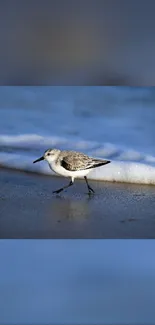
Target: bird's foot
58,191
91,191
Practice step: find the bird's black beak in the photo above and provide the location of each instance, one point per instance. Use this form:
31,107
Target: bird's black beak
39,159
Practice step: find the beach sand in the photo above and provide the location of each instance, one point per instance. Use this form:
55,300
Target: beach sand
29,209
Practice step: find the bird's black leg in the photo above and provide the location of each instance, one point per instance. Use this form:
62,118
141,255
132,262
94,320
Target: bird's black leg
89,188
63,188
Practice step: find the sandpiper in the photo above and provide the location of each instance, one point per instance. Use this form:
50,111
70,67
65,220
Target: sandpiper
71,164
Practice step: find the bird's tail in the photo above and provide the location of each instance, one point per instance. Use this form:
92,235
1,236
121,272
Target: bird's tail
99,162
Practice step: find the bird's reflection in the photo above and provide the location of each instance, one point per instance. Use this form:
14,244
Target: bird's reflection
69,208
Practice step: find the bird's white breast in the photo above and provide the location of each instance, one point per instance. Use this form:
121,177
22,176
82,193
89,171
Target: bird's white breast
58,169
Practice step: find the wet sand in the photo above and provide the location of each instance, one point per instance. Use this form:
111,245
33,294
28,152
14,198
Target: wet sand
29,209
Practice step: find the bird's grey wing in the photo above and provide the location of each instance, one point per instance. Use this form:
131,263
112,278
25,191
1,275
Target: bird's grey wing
81,162
76,162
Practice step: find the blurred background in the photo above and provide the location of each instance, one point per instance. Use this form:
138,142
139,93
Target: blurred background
116,123
95,42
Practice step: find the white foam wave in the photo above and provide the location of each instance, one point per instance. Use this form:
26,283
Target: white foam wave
126,165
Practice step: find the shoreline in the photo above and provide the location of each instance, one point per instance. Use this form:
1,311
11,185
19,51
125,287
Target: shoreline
52,174
29,209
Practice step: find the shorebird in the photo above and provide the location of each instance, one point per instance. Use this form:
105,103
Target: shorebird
71,164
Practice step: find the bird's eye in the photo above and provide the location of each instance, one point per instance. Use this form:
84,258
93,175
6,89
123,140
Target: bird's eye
48,154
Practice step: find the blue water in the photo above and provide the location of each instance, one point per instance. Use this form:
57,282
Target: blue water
106,122
77,282
122,116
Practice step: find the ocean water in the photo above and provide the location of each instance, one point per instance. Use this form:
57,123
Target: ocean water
117,123
77,282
